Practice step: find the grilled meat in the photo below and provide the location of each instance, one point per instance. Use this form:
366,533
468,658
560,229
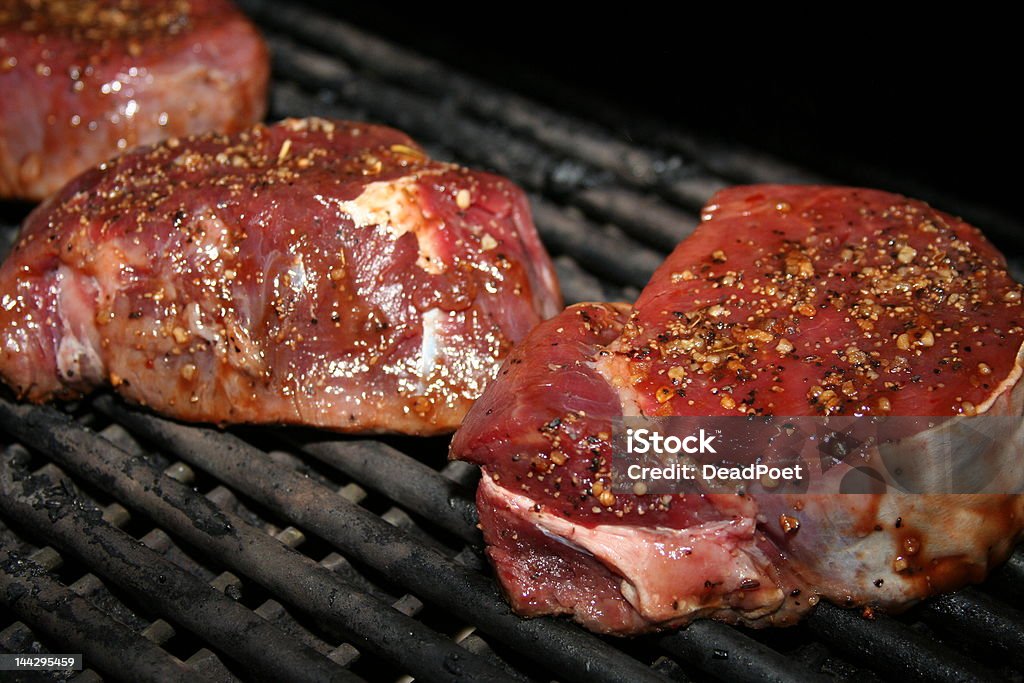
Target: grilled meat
786,301
83,81
310,272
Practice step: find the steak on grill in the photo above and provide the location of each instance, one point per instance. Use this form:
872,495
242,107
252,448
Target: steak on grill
786,301
85,80
312,272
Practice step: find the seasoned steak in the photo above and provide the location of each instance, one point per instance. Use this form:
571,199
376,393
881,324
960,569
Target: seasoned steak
310,272
84,80
786,301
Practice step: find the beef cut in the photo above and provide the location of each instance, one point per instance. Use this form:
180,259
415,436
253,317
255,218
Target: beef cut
310,272
785,301
84,80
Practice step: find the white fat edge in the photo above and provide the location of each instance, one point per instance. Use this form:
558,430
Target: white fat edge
555,525
245,352
392,205
77,357
1011,384
73,356
564,541
613,367
194,315
958,458
213,241
961,453
297,279
617,546
430,346
605,365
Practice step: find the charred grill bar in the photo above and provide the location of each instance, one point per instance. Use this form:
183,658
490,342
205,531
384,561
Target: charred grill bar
305,555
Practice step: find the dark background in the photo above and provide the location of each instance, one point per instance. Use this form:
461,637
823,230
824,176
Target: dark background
884,103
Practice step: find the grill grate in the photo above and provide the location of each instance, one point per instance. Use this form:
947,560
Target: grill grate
185,552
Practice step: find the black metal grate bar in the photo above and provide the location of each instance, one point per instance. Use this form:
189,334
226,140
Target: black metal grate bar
31,594
894,649
249,551
426,490
91,588
979,621
685,181
573,653
730,655
405,480
481,143
1008,581
563,231
681,166
70,522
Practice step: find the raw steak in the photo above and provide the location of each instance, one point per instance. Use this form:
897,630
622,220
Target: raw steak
786,301
310,272
85,80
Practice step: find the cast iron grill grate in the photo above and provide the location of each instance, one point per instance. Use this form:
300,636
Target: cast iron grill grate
173,552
